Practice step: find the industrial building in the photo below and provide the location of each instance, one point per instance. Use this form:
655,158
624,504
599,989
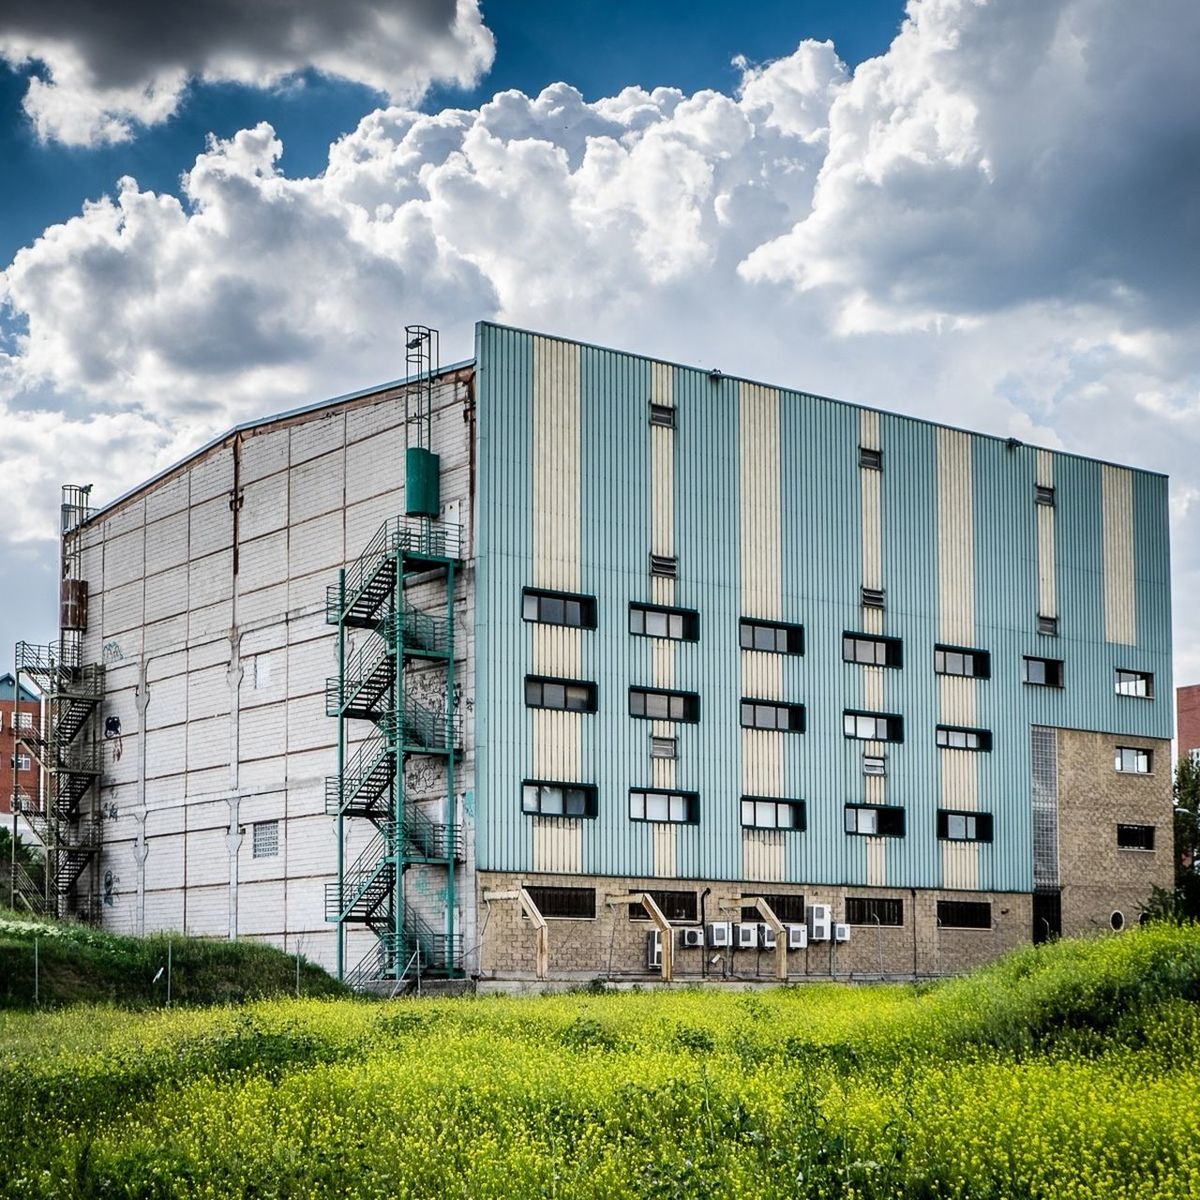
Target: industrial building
565,662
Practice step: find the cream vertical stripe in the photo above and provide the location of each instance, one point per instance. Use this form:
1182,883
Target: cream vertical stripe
763,854
871,489
1120,584
1047,582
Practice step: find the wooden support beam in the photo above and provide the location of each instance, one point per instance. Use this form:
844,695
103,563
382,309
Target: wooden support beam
768,914
534,913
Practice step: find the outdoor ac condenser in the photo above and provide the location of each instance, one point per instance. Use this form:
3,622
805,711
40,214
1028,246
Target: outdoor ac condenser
819,922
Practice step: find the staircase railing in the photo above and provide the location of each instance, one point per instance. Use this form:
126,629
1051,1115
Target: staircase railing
362,667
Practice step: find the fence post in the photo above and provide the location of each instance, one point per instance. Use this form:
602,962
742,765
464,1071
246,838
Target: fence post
36,998
297,972
168,972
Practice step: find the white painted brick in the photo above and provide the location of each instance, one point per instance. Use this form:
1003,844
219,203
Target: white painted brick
365,517
210,622
123,560
262,732
262,605
264,507
128,516
260,908
312,845
208,653
213,476
164,860
263,774
376,465
166,543
168,703
207,743
208,693
316,488
211,527
262,561
208,911
318,436
165,750
121,609
169,497
167,593
263,454
316,545
370,419
307,726
164,911
166,636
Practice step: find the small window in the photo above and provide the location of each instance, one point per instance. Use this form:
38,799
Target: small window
675,906
675,808
1135,683
1047,626
1044,672
873,727
872,597
266,839
655,620
786,908
664,706
774,637
964,914
959,660
564,903
954,737
955,826
874,820
769,714
870,458
874,764
663,747
871,910
1043,495
1135,837
559,608
24,720
573,695
662,414
550,799
23,762
1133,761
762,812
664,566
872,651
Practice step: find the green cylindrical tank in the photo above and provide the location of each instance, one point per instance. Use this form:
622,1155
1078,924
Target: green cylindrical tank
422,479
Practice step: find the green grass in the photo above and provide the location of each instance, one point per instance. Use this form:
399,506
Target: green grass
78,964
1063,1071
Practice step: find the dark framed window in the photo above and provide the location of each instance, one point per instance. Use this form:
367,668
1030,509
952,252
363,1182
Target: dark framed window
871,650
551,798
775,637
870,458
564,903
873,727
961,660
655,705
874,764
771,714
573,695
662,414
786,908
664,566
675,808
1135,683
956,826
1044,672
1047,626
874,910
964,914
872,597
675,906
1043,495
875,820
1133,761
659,621
1135,837
765,812
558,608
956,737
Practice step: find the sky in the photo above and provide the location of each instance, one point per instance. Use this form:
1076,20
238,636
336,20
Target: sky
984,213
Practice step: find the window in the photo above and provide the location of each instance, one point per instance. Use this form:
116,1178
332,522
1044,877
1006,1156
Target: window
664,706
677,808
872,597
873,727
564,903
786,908
870,458
1133,761
663,747
1044,672
874,820
662,414
266,839
24,720
653,620
954,826
774,637
23,762
873,651
874,764
559,608
675,906
952,737
1043,495
964,914
1047,625
1135,837
548,799
262,672
761,812
871,910
664,566
574,695
958,660
1135,683
768,714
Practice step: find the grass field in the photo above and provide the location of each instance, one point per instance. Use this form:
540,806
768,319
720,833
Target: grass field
1068,1072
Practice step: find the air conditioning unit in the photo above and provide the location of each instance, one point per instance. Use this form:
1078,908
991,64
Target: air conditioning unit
654,950
766,936
797,937
691,935
841,933
819,922
745,935
720,935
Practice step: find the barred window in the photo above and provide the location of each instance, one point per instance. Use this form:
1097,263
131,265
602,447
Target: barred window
1135,837
874,910
564,903
675,906
550,799
964,914
266,839
786,908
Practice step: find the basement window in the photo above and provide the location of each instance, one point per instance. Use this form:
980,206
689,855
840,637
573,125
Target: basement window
786,908
564,903
874,910
266,839
964,914
1135,837
675,906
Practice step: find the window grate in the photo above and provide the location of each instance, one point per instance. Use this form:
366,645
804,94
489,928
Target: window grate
1043,495
664,566
964,914
872,459
874,910
1047,625
664,747
872,597
1135,837
266,839
786,908
564,903
663,415
676,906
1044,753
